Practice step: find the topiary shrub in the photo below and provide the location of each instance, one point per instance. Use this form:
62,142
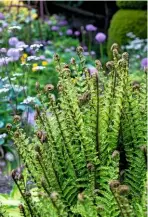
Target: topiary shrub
131,4
86,157
125,21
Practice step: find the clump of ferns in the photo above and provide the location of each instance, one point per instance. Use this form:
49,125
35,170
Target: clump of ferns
87,156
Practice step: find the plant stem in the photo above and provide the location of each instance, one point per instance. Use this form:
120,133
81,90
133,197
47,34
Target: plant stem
101,51
90,42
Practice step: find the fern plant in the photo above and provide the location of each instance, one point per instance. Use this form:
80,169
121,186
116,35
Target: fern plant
87,156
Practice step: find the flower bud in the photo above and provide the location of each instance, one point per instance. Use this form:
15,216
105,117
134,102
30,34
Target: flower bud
136,85
37,85
125,56
98,64
16,134
16,118
66,66
21,207
81,197
48,87
143,148
54,196
122,62
56,57
13,173
60,87
110,64
114,46
79,50
114,184
27,194
73,61
90,167
123,189
115,154
39,134
43,138
9,126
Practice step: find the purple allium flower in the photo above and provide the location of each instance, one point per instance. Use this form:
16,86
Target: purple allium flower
4,24
86,53
85,48
63,23
2,17
76,33
2,62
3,50
90,28
92,70
42,57
14,53
49,22
21,44
54,28
100,37
5,60
144,62
13,41
69,32
93,53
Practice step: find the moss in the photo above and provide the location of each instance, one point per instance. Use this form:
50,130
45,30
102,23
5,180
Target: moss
125,21
131,4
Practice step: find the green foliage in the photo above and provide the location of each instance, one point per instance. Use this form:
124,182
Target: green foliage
74,159
125,21
131,4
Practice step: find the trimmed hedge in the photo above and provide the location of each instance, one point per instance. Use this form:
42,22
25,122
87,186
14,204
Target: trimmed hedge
125,21
131,4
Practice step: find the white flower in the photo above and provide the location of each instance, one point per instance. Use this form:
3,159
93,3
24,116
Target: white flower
17,74
28,100
18,88
9,156
33,46
39,68
13,79
4,90
2,136
130,35
25,64
14,27
32,58
6,86
4,79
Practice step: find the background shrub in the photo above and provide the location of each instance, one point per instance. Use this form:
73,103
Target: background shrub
131,4
125,21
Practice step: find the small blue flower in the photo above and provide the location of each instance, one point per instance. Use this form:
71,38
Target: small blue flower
14,53
13,41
